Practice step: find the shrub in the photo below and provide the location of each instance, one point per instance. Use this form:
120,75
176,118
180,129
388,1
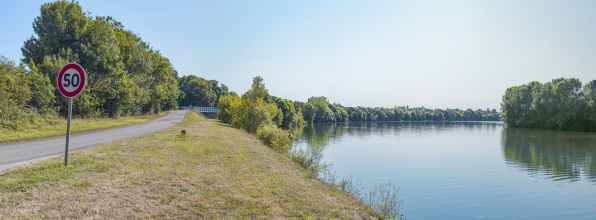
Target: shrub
347,185
257,117
227,105
15,118
309,158
383,199
351,187
275,137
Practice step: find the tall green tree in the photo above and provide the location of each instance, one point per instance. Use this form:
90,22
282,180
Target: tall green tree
342,114
125,76
323,112
310,112
289,113
219,90
197,92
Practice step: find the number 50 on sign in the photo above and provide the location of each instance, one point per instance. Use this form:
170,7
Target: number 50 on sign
71,80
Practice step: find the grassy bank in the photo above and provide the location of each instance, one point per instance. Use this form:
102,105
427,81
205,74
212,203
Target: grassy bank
78,125
214,172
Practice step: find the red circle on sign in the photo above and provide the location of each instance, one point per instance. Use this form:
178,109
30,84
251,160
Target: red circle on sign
82,83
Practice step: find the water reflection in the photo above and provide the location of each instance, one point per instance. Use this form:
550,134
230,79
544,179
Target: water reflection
560,155
462,170
320,134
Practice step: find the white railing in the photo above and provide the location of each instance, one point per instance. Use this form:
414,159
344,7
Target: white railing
199,109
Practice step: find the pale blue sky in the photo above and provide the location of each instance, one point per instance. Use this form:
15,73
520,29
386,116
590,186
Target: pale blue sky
437,54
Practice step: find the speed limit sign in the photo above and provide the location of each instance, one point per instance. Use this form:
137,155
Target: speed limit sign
71,80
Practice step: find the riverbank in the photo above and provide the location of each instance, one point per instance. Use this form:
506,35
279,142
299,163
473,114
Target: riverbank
78,126
213,172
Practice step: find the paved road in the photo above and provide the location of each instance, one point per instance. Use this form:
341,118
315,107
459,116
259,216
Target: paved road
16,154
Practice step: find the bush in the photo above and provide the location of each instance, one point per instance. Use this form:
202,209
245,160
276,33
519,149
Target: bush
383,199
347,185
257,117
228,104
18,119
275,137
309,158
24,97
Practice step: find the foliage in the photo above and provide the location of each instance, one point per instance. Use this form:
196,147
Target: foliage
559,105
200,92
276,138
290,117
125,75
24,97
347,185
309,112
420,114
383,199
229,105
309,158
197,91
219,90
260,113
342,114
323,113
351,187
256,116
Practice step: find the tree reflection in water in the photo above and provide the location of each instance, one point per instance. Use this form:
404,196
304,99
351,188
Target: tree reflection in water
562,155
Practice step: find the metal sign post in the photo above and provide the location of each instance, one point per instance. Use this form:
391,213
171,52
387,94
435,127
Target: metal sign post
68,131
71,81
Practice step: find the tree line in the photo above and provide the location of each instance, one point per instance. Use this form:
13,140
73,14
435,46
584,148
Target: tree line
561,104
318,109
420,114
257,106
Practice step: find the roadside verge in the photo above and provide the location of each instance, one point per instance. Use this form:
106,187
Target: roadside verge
78,126
213,172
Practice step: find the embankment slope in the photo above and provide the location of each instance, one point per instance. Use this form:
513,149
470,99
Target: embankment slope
214,172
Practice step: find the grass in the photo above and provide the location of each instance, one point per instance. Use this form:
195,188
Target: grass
310,159
78,126
381,201
214,172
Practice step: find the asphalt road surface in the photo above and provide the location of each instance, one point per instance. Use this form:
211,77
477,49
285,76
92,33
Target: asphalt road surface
16,154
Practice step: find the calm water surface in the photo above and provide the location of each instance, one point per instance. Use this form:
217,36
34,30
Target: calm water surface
466,170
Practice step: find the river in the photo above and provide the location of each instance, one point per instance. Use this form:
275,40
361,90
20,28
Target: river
466,170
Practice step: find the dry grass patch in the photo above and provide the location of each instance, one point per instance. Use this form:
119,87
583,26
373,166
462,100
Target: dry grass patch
214,172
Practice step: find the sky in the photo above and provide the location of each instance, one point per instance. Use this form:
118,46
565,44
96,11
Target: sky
437,54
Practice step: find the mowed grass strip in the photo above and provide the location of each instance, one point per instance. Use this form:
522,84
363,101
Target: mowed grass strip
214,172
77,126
